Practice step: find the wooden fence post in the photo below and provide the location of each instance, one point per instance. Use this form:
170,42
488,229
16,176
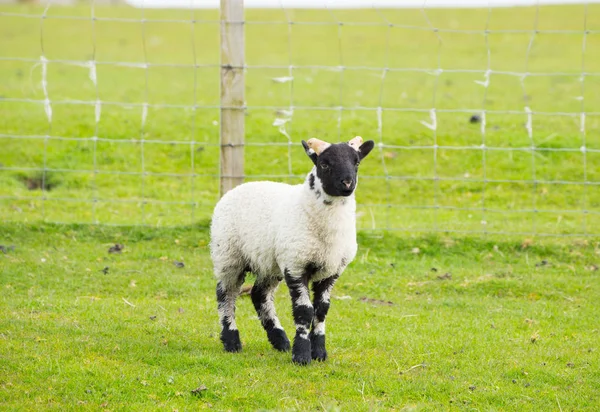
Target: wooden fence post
232,94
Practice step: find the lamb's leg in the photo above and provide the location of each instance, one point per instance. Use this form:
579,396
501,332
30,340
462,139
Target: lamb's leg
303,314
227,293
262,294
322,294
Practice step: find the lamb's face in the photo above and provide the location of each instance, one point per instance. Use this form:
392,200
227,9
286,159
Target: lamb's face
337,164
337,168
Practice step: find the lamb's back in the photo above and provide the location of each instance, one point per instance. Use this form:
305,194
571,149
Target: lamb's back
243,221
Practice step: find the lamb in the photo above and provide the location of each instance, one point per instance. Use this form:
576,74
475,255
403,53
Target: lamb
302,233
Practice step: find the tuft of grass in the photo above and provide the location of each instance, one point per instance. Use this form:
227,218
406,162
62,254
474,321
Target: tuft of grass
416,322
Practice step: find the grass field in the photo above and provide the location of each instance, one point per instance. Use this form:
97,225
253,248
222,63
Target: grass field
422,320
503,331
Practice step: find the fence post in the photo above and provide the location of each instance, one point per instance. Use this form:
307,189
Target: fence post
232,94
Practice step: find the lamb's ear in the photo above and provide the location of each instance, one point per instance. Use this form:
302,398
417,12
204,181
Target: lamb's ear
310,152
365,148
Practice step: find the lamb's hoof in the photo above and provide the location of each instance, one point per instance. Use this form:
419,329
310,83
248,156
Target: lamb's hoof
318,351
231,340
279,340
301,359
301,351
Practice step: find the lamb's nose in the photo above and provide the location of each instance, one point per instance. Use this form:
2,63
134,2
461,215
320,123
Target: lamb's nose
347,182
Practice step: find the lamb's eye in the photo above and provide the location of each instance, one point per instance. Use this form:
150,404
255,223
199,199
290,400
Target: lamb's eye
324,166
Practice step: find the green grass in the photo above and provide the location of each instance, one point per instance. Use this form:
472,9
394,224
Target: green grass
512,327
505,332
407,189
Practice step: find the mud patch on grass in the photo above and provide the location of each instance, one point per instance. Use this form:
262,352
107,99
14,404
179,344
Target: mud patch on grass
376,301
39,181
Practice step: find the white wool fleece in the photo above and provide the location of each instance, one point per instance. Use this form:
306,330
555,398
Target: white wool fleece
267,227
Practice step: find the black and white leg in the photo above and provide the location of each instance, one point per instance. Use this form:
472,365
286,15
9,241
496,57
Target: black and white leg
227,293
262,297
303,314
322,295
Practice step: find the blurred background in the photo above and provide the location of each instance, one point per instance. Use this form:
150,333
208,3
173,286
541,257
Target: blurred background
486,118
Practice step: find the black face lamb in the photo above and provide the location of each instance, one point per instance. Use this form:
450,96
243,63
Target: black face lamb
303,234
337,165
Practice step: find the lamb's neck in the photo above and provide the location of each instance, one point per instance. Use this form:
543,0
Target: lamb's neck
325,207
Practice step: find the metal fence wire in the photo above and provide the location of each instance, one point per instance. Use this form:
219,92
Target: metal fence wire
480,127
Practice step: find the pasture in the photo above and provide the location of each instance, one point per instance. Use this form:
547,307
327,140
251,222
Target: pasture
477,279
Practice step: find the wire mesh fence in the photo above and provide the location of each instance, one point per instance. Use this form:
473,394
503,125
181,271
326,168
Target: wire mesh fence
485,119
